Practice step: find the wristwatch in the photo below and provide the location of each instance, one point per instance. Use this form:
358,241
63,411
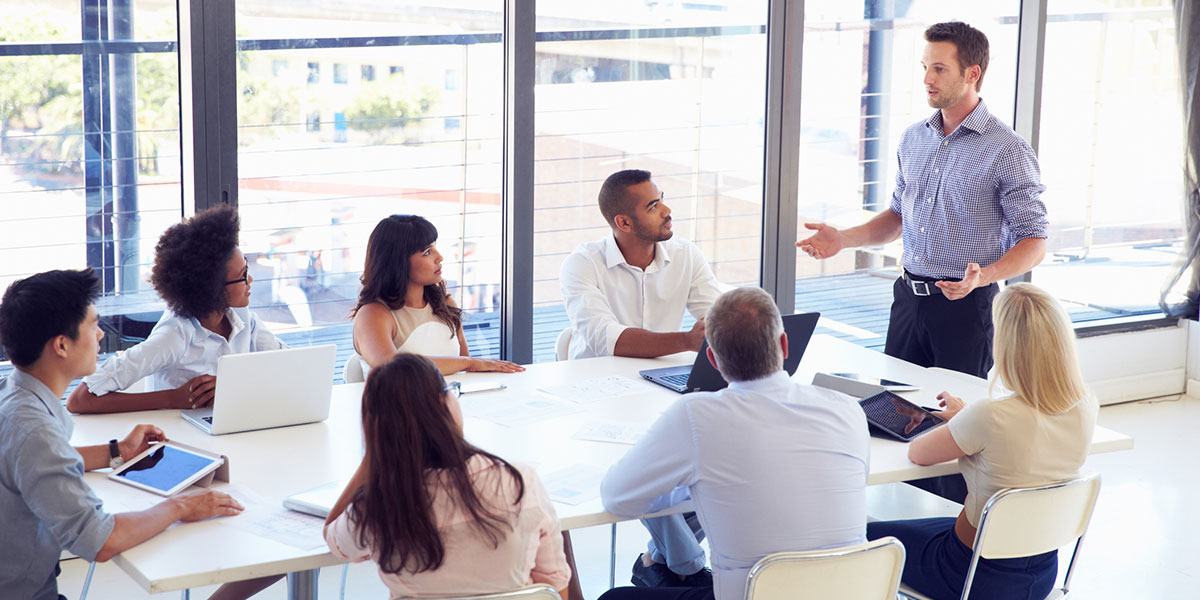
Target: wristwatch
114,453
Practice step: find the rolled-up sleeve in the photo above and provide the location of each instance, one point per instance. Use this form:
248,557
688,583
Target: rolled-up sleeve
549,562
655,473
49,477
342,539
1019,186
898,193
162,348
587,307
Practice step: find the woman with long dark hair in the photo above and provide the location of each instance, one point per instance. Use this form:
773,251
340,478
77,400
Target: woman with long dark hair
404,305
438,515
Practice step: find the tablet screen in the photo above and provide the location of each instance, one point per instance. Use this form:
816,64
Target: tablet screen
898,416
166,467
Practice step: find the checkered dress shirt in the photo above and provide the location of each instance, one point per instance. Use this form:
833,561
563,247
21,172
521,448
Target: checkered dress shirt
965,197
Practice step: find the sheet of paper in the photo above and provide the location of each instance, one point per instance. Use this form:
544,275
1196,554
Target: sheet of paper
617,433
272,521
592,390
515,410
575,484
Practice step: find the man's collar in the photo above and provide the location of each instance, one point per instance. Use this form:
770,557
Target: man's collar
613,256
35,386
775,379
977,120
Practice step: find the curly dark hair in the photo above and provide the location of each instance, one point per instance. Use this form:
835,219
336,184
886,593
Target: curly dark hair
190,260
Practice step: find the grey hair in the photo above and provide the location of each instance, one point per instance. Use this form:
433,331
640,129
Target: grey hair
743,328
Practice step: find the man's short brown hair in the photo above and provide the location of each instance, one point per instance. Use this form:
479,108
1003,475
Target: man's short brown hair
971,44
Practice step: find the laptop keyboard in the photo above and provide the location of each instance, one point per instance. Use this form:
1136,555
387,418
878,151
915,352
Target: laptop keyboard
678,380
206,420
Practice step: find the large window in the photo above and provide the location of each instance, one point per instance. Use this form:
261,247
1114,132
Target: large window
1111,154
678,90
321,161
89,144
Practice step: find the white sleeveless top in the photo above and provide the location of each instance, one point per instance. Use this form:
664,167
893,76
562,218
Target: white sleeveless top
418,331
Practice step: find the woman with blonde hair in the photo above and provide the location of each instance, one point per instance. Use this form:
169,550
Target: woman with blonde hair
1038,432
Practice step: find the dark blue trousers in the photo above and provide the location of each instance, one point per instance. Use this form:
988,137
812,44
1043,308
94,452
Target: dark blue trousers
936,563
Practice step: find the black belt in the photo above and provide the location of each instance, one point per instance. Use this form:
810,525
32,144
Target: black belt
922,286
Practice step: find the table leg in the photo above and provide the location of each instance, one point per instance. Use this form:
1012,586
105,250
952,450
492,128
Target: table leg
302,585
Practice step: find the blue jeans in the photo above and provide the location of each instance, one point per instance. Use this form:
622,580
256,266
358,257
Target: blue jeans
936,563
675,542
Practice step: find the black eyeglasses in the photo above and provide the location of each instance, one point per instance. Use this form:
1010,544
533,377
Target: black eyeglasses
454,388
244,279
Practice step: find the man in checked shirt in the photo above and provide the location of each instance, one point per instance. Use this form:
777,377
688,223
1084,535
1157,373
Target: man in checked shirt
968,205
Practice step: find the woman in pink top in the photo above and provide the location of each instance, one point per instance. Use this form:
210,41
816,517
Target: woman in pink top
440,516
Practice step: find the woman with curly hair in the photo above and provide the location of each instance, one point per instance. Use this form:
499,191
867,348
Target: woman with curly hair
404,305
439,516
203,277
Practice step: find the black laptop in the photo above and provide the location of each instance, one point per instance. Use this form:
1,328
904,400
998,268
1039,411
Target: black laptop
701,376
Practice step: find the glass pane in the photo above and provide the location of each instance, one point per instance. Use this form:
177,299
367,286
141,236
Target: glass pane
862,82
676,89
89,147
347,117
1111,142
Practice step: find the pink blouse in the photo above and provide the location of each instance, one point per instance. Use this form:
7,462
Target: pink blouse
531,553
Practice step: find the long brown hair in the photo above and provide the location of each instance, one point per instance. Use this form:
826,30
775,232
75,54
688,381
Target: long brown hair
391,246
409,431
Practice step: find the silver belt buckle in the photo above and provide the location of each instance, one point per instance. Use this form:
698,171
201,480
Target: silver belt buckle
917,290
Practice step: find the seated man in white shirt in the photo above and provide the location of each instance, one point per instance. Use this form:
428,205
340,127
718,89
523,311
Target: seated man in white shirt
625,295
771,465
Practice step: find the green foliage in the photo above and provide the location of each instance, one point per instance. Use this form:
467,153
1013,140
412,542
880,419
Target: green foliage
385,107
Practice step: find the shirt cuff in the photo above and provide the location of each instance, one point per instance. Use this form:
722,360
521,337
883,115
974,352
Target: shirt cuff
95,534
100,383
611,333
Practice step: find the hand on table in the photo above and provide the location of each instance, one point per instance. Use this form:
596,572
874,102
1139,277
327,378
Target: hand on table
492,365
826,242
954,290
202,504
951,405
139,440
198,391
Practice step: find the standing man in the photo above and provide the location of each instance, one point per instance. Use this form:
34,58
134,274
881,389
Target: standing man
771,464
968,204
625,295
50,331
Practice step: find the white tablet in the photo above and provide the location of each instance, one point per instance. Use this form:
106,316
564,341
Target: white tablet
165,469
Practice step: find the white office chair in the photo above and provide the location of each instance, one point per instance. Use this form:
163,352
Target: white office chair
869,571
1030,521
353,371
562,344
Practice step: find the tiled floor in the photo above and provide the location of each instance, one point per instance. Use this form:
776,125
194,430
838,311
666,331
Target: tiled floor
1141,543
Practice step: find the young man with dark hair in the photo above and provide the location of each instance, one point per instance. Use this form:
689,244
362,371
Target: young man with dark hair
968,205
625,295
50,330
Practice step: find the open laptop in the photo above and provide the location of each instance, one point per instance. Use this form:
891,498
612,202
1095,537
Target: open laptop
275,388
701,376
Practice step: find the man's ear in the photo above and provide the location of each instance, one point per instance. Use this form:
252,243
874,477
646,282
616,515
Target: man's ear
57,345
712,357
623,222
784,344
974,72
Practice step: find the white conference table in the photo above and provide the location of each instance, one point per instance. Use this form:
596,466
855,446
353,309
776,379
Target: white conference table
276,463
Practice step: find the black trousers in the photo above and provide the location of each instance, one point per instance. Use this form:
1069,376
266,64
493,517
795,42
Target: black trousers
933,331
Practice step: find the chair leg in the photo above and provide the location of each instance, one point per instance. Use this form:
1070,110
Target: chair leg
87,581
185,595
345,574
612,559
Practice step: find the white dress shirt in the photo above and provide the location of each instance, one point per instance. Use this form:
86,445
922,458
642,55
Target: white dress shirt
605,295
179,349
771,466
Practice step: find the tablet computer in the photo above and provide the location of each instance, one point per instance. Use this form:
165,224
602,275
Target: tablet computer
898,417
890,385
166,468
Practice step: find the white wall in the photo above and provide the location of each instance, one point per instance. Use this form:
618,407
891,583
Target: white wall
1141,364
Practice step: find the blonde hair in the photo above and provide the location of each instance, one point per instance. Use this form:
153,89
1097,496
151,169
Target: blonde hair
1034,346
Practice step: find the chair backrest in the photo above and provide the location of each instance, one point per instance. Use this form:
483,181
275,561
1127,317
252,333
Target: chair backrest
869,571
353,371
1029,521
562,344
533,592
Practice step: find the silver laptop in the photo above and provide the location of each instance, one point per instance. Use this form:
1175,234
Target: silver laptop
275,388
